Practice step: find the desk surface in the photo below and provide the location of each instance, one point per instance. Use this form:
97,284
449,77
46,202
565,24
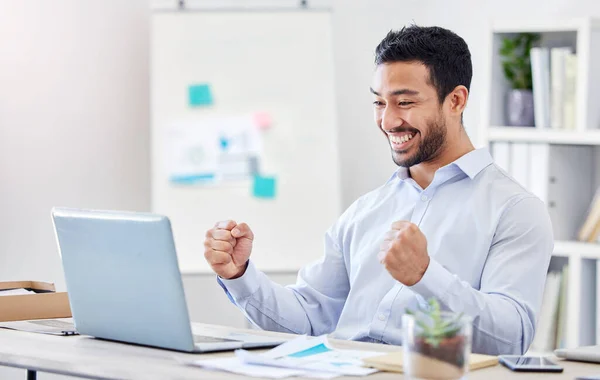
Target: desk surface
92,358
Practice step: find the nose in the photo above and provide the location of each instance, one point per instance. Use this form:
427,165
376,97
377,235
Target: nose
390,119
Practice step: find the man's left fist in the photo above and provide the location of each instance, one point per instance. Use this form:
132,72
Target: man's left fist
404,253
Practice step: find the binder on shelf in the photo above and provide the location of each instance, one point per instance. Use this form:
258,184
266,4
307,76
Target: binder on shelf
539,170
519,163
560,176
501,154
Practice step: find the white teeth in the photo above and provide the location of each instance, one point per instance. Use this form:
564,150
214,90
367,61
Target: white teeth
400,139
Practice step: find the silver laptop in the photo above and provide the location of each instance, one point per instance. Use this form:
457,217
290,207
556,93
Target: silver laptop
582,354
124,282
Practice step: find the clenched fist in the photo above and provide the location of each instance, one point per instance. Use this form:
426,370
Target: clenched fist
404,253
227,248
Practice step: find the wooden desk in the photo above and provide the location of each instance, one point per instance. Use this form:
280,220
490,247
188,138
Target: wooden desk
96,359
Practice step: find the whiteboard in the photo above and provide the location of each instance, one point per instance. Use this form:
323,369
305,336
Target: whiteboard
279,62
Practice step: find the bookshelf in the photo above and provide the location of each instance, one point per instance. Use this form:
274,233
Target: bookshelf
535,135
576,249
581,142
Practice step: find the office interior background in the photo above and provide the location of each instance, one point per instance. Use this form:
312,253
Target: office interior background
76,114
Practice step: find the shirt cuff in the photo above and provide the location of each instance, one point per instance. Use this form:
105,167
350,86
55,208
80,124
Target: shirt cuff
435,282
242,287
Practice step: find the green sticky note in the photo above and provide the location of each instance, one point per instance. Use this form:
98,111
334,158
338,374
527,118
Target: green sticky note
200,95
264,187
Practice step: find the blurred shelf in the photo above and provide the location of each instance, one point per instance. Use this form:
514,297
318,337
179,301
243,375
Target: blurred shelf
567,248
544,26
549,136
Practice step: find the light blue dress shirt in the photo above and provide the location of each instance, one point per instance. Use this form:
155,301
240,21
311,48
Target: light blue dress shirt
490,243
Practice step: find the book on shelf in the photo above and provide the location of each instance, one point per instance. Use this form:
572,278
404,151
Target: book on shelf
540,75
561,322
558,85
570,92
590,229
551,322
554,79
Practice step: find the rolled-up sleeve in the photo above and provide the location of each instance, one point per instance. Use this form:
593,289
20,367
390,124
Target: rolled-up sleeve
505,308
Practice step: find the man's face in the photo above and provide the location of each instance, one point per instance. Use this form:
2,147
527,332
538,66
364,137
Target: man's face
407,110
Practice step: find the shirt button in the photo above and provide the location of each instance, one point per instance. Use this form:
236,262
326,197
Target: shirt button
381,317
424,198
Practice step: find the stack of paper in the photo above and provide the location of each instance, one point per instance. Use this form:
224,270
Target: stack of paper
303,356
16,292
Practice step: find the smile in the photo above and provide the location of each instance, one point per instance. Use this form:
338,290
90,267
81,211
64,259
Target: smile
400,141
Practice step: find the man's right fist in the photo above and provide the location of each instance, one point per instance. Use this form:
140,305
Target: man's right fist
227,248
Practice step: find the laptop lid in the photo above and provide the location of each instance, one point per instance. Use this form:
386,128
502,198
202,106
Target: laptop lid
123,277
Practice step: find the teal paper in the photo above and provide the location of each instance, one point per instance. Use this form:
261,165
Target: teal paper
319,349
264,187
200,95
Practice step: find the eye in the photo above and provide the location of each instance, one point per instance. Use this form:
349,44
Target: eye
377,103
404,104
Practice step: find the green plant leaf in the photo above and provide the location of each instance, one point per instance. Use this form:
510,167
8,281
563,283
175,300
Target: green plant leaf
515,58
508,72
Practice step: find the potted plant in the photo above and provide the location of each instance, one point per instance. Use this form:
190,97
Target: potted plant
436,343
516,65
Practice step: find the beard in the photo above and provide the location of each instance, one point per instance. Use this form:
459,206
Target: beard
429,147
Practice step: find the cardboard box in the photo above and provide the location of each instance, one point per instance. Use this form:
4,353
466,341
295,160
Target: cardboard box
45,304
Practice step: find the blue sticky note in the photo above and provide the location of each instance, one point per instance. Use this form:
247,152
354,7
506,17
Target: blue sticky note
264,187
200,95
224,143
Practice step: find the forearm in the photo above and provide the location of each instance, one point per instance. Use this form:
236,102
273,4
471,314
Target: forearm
295,309
501,323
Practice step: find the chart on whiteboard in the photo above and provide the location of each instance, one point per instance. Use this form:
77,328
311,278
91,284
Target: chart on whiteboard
215,150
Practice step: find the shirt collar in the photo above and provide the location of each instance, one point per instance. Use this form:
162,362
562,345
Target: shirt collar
474,162
471,164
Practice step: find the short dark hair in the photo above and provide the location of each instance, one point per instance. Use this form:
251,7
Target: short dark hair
444,53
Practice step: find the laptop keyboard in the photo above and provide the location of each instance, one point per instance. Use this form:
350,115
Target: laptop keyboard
210,339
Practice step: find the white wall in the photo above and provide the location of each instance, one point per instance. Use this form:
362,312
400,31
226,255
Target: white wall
74,110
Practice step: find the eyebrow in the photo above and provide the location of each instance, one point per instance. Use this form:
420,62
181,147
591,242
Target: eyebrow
403,91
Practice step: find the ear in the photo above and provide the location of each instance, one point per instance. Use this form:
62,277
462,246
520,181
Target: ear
458,100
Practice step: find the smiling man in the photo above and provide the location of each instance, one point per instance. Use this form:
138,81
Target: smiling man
448,224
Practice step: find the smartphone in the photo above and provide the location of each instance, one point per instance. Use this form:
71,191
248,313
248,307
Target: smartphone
529,363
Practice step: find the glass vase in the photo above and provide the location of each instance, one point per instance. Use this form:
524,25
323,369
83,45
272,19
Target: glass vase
436,349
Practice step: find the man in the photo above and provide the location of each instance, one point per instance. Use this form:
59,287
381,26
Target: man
448,224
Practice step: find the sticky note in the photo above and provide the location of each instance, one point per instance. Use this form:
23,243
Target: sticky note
200,95
224,143
263,120
264,187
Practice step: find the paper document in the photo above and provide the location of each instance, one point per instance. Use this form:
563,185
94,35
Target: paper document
303,356
62,326
312,354
234,365
16,292
213,150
